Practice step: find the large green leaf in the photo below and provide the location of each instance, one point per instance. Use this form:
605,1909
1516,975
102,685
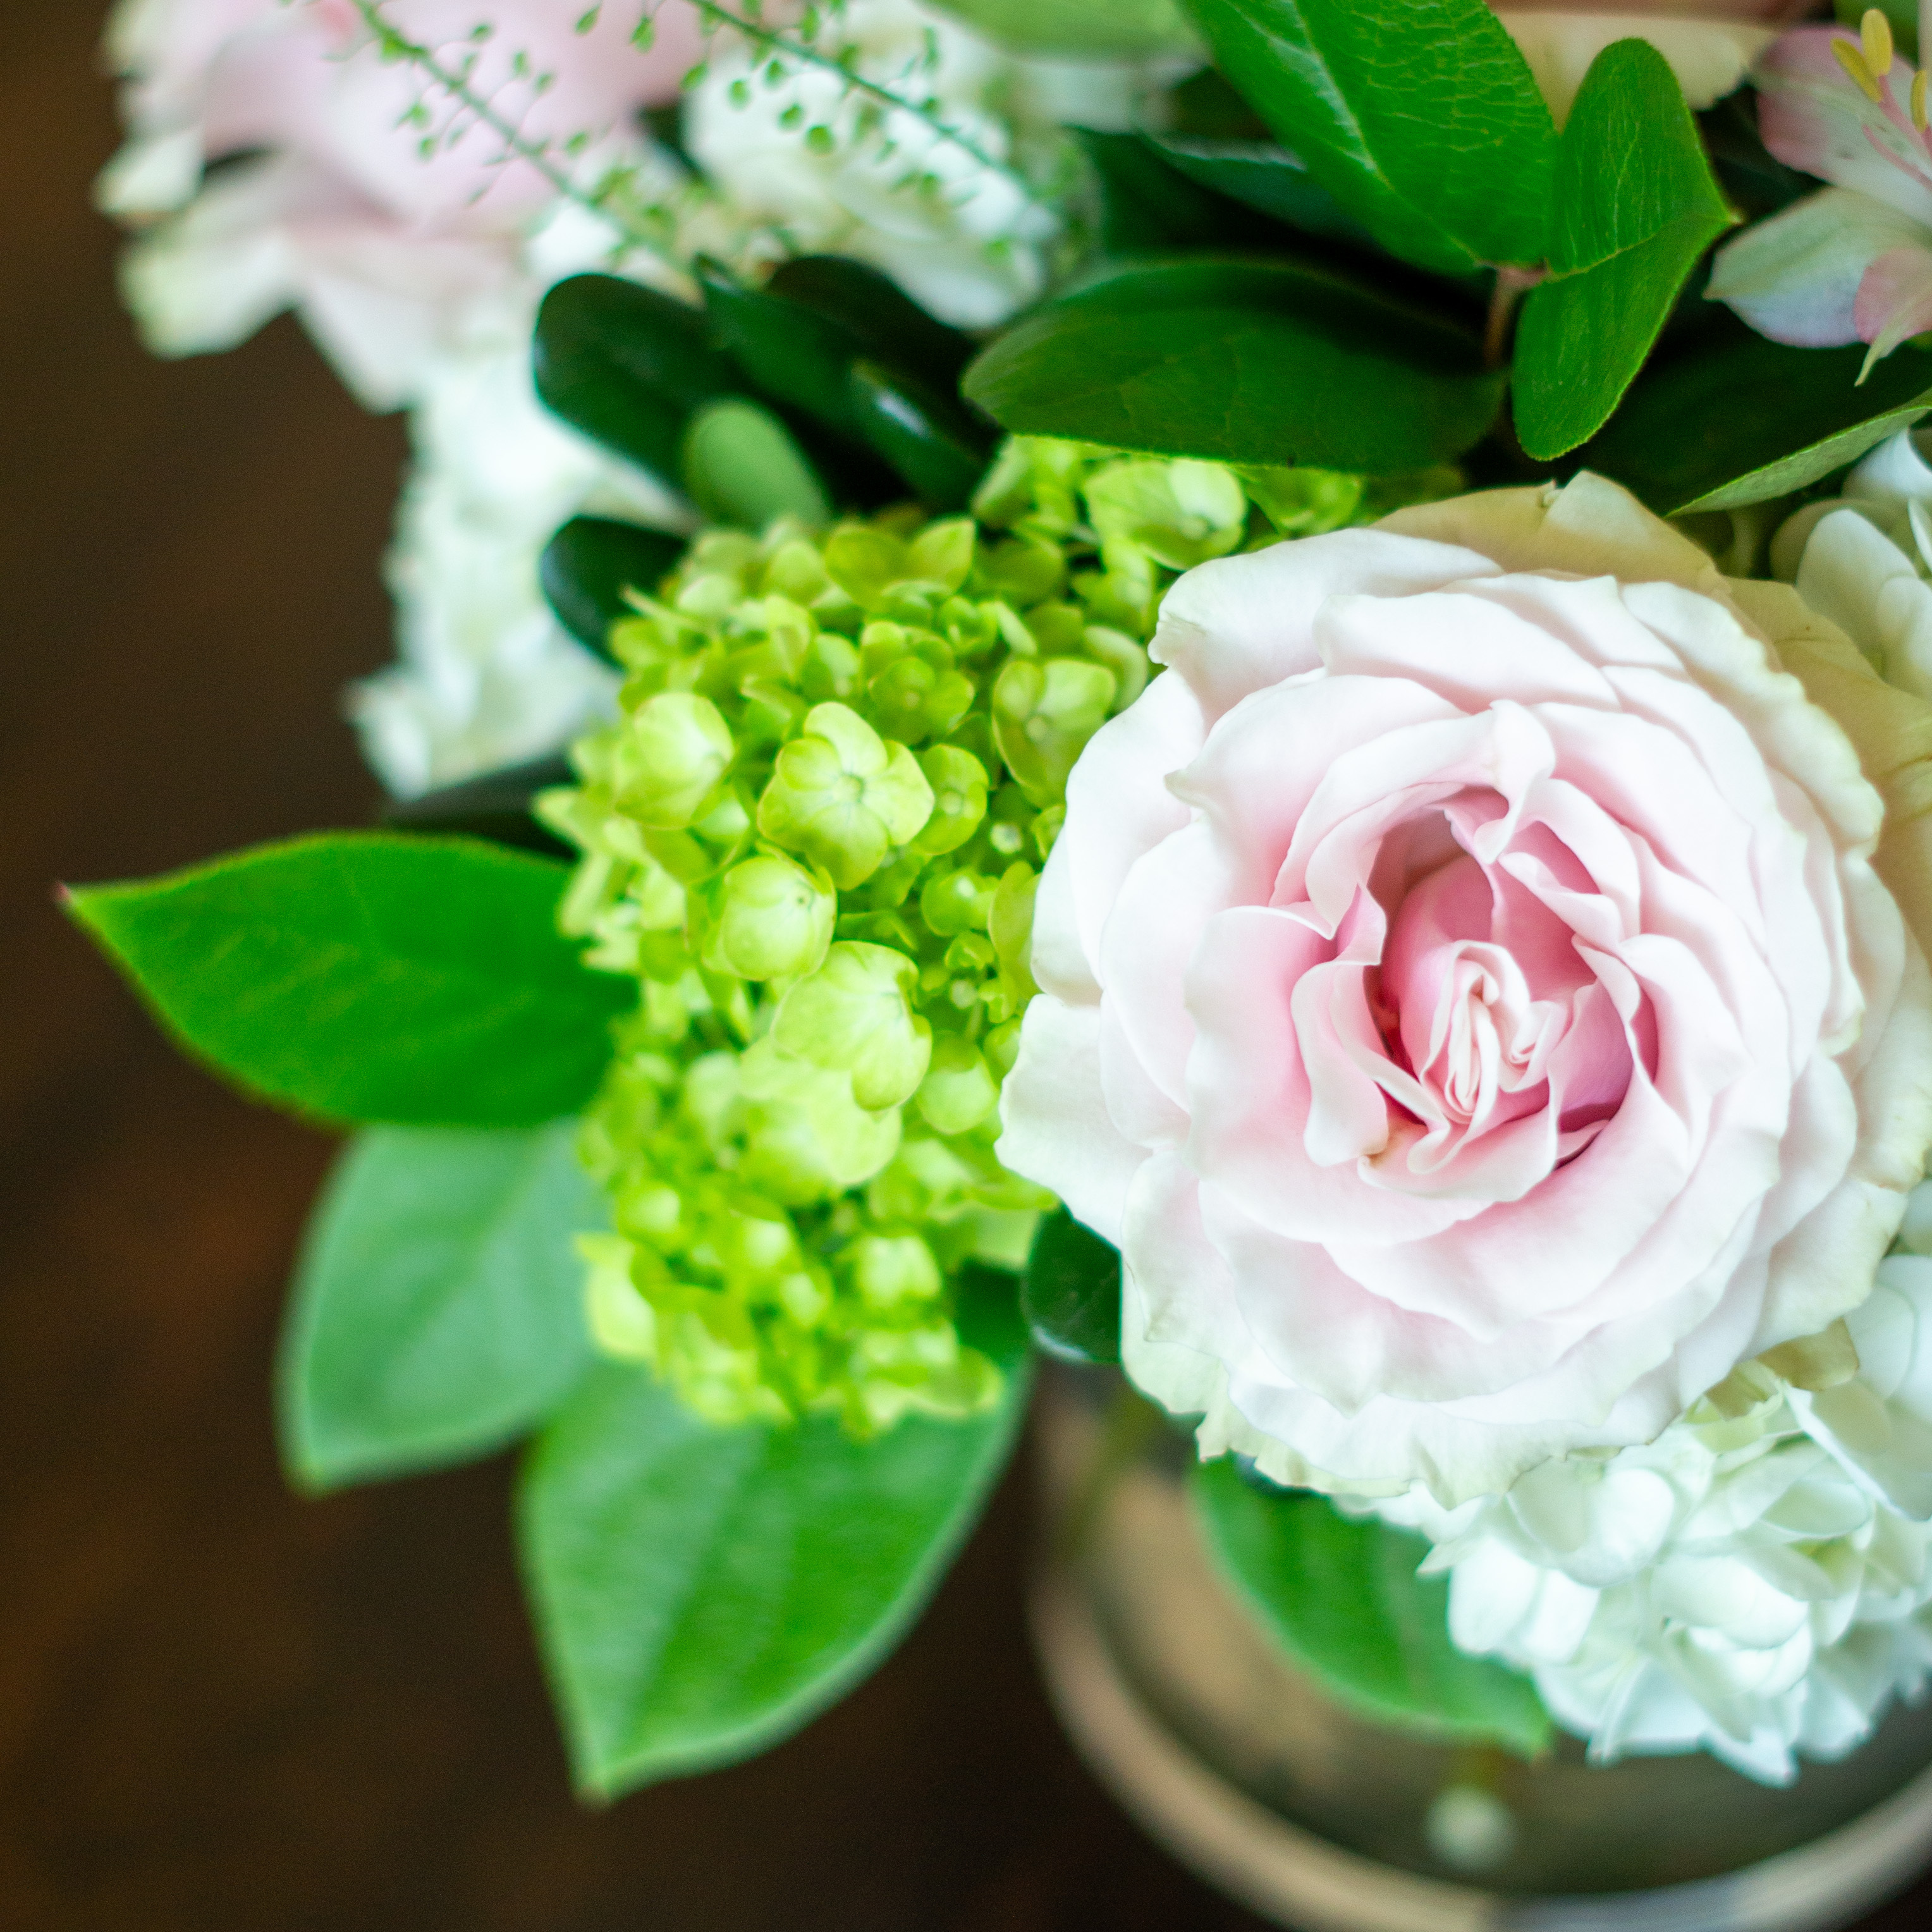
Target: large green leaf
1420,116
1090,29
925,434
1261,362
371,976
627,366
1259,175
1070,1294
1732,418
1344,1599
1149,204
438,1310
701,1592
1636,205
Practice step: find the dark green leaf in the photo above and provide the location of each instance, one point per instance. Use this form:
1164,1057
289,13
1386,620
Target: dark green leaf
881,320
496,806
1261,176
1270,362
438,1311
1345,1601
589,565
741,465
1088,29
1733,418
370,976
799,355
1636,205
701,1592
1420,116
627,366
1071,1293
1148,203
931,442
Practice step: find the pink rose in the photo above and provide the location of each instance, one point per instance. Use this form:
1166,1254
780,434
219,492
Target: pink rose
1470,1003
337,210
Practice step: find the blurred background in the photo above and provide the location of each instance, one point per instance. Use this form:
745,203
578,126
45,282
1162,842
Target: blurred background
221,1707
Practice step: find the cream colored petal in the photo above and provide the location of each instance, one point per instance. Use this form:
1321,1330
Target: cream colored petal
1709,57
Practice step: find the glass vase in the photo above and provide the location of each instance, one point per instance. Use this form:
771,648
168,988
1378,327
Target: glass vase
1228,1755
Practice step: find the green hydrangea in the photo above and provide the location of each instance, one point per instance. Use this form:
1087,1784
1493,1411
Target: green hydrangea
813,835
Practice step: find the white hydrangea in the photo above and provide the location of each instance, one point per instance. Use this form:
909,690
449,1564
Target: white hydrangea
971,243
1755,1583
487,677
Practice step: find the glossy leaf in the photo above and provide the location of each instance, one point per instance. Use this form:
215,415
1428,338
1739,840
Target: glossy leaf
1149,204
1261,176
701,1592
1070,1294
1088,29
795,354
588,566
1732,418
1269,363
1420,117
627,366
1344,1600
741,465
371,976
494,805
926,436
1636,205
438,1310
881,320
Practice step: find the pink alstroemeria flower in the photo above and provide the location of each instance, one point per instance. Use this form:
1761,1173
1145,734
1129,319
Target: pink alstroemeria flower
329,202
1853,262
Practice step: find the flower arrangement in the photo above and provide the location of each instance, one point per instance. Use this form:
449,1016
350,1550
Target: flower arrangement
1211,721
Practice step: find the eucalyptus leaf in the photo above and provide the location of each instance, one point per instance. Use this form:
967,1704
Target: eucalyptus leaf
627,366
1089,30
1636,205
1420,117
1732,418
1252,362
1070,1294
701,1592
588,566
371,976
1344,1600
740,465
438,1310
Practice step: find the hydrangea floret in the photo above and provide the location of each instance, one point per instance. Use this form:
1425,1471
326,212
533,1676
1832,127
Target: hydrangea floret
813,835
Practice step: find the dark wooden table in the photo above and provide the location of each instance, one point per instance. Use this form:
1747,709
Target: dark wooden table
222,1709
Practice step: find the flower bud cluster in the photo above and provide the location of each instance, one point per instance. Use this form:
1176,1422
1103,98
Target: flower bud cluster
814,835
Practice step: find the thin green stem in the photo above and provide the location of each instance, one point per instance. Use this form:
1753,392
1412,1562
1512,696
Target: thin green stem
395,45
777,43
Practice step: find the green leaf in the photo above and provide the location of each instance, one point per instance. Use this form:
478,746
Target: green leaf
627,366
371,976
1070,1294
1733,418
740,466
438,1311
1089,29
1344,1600
1259,175
1636,205
1420,117
495,805
1149,204
588,566
881,319
701,1592
928,438
1254,362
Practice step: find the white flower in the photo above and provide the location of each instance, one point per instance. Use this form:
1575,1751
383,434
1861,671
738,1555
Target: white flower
487,677
1755,1581
970,242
